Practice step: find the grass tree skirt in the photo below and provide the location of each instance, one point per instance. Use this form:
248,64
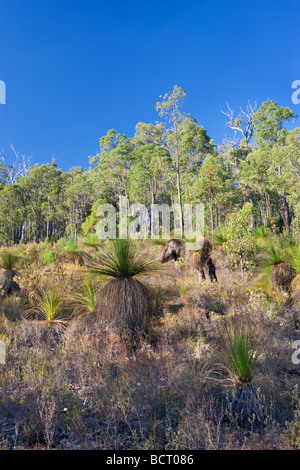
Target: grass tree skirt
282,275
295,284
124,303
7,283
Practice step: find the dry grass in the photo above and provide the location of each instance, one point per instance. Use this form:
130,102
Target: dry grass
167,386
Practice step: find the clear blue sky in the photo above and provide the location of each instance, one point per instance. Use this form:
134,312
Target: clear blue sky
76,68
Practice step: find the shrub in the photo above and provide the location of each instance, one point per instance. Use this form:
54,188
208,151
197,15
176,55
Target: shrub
92,241
249,399
48,304
294,257
221,235
70,251
9,260
85,297
240,241
240,354
47,257
124,301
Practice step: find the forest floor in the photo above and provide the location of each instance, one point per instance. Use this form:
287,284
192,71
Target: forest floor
166,387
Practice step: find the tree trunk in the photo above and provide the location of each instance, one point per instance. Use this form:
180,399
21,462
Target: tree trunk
285,214
211,215
12,229
179,196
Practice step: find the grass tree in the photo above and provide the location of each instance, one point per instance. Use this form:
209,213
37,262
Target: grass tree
70,252
48,304
8,262
92,242
85,296
261,236
247,395
47,257
294,257
125,302
221,235
240,355
279,257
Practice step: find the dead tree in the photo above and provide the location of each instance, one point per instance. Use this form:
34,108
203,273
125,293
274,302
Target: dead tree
242,124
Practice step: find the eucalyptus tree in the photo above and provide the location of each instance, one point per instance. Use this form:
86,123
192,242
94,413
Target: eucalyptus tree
149,133
169,109
150,165
113,162
41,190
268,123
272,169
186,141
11,214
195,145
79,198
216,187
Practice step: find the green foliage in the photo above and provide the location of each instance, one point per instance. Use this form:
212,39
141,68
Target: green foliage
239,352
92,241
268,122
90,222
215,186
281,250
261,233
294,257
240,241
171,161
69,245
86,295
221,235
48,303
9,260
123,259
47,257
150,163
262,283
275,254
113,162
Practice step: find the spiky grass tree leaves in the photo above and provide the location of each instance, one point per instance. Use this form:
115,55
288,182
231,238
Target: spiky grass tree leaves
125,302
48,304
8,260
70,252
85,296
294,257
248,398
124,259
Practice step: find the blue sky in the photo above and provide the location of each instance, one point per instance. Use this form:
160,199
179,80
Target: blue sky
75,68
